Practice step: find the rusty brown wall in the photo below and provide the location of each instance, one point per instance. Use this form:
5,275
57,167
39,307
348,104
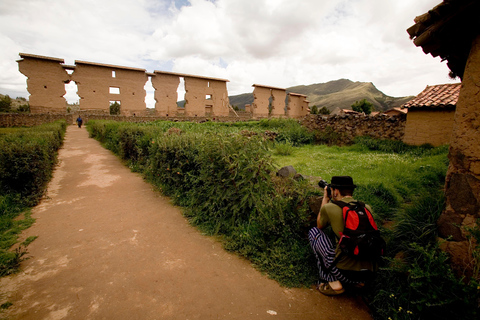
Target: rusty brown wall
45,83
462,187
94,82
166,97
434,127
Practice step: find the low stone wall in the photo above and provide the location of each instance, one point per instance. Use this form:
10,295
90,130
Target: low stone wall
29,120
347,127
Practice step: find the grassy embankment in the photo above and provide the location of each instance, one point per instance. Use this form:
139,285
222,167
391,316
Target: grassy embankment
223,175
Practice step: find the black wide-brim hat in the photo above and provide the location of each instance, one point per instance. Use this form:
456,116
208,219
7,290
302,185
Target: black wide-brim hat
340,182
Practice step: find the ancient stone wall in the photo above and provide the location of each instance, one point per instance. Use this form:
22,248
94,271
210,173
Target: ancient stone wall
99,84
297,106
221,103
347,127
261,100
46,80
429,126
166,97
278,102
462,187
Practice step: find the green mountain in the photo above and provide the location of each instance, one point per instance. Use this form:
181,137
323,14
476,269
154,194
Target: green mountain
340,93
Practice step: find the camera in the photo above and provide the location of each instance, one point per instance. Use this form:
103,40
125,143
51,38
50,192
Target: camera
322,184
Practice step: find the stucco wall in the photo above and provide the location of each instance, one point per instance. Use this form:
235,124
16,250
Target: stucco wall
429,126
46,80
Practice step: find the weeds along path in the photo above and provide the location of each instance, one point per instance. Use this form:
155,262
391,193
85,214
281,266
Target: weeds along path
109,247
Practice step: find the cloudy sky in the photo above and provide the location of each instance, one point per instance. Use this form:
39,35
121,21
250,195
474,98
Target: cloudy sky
280,43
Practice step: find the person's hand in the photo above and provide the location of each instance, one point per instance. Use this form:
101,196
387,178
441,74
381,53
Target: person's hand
325,199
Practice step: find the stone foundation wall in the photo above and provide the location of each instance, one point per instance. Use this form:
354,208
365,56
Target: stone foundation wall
350,126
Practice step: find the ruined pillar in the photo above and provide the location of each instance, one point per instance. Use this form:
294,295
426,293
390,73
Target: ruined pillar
196,96
99,84
462,188
46,80
166,97
278,102
297,106
221,103
261,101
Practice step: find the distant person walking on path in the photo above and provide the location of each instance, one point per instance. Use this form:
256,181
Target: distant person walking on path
337,267
79,121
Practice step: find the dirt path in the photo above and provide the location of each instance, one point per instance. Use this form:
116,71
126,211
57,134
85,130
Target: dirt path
109,247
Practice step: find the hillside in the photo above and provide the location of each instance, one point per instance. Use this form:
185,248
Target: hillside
339,93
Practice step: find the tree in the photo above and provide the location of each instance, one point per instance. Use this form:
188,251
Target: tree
314,110
324,110
5,104
115,108
363,106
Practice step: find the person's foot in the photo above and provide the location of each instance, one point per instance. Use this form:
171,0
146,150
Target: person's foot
326,289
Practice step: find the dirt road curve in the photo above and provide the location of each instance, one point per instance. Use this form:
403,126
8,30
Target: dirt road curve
109,247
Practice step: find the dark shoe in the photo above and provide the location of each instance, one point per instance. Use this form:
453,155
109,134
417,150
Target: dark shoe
325,289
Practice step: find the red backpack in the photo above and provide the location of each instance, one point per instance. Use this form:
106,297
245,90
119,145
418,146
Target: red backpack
360,238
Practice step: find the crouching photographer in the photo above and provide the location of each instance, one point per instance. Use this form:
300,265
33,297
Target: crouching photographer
353,259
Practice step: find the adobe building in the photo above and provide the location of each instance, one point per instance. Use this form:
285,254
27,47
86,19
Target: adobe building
430,115
297,106
268,101
46,78
450,31
99,85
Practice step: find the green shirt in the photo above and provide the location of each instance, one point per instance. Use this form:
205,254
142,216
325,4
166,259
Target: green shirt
331,214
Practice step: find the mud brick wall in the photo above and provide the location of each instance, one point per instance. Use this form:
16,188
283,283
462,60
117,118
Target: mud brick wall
429,126
350,126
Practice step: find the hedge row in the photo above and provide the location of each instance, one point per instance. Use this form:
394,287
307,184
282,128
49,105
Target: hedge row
27,160
225,182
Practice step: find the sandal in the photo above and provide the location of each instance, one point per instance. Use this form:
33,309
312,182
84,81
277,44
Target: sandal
327,290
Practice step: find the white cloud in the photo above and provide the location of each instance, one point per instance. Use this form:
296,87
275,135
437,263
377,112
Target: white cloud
274,42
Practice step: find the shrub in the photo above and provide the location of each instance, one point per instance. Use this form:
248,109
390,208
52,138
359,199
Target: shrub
26,164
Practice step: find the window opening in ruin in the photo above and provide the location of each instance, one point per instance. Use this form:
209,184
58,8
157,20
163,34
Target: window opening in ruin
150,94
69,71
270,104
72,97
113,74
115,107
181,93
114,90
208,97
208,84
